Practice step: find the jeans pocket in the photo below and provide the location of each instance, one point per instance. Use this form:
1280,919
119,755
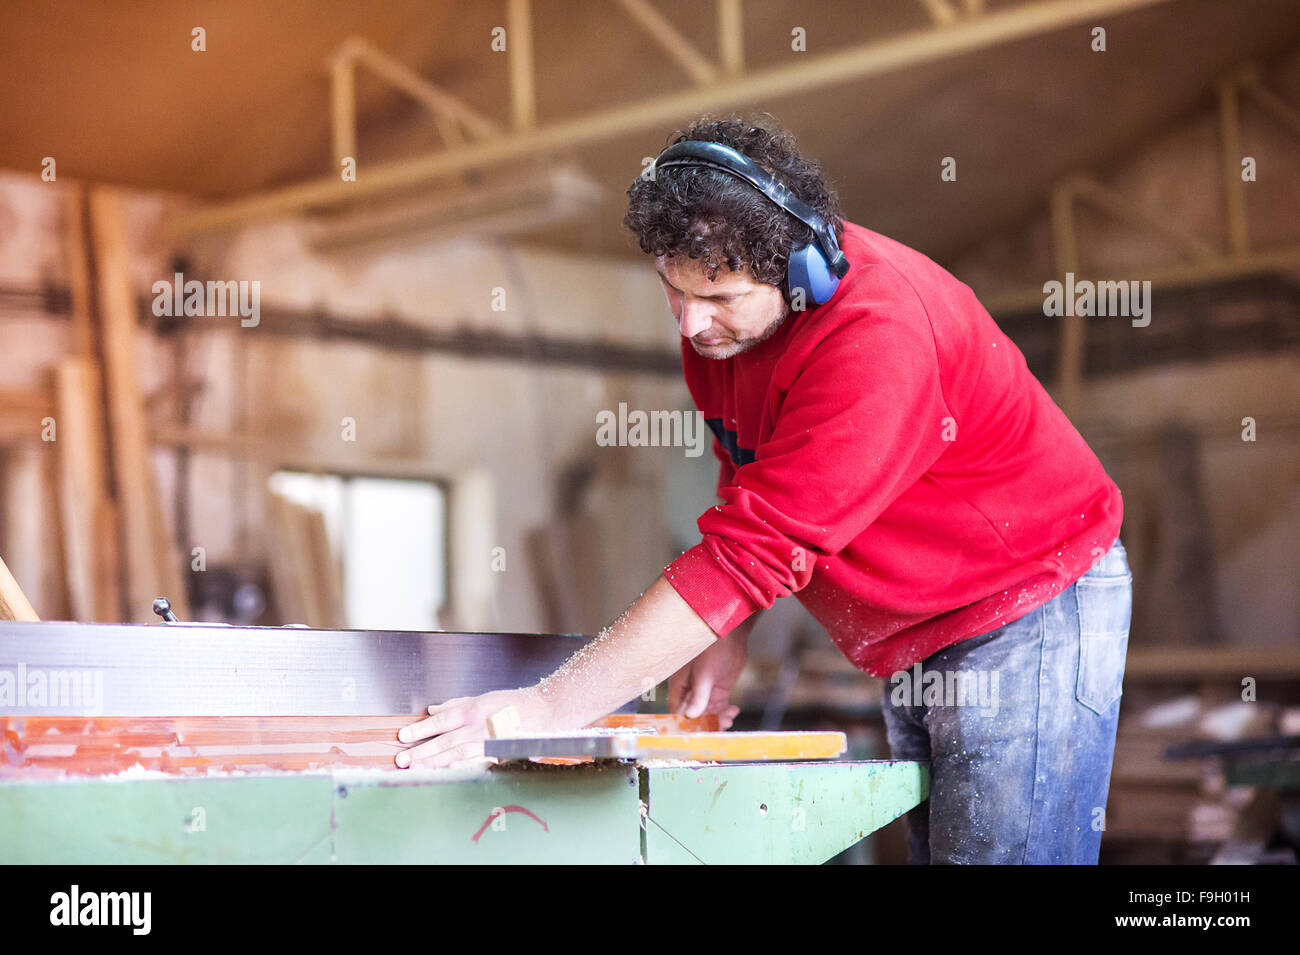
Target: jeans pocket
1105,610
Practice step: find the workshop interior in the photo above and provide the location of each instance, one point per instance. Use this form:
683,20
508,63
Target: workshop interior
328,365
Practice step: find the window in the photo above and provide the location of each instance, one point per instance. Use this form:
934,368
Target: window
390,536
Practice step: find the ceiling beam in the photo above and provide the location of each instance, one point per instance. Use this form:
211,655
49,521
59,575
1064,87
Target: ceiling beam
519,48
731,36
660,29
1270,102
1221,268
941,12
871,59
448,111
1234,192
1141,217
1207,265
343,110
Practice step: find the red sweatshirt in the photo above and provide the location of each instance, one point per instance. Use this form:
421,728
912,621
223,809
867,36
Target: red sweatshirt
888,458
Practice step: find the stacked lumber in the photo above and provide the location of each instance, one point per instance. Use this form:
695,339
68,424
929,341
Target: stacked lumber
306,571
96,484
1183,811
151,559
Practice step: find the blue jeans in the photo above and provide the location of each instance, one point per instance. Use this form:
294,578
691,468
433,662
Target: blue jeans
1018,726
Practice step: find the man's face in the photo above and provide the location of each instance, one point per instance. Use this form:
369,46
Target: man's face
723,317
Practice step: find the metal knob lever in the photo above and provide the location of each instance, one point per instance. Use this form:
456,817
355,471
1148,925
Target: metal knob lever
163,608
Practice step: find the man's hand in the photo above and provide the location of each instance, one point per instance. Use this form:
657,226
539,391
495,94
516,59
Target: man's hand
704,685
653,639
456,729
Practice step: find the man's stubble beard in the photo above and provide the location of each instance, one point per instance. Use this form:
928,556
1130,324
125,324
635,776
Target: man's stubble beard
737,348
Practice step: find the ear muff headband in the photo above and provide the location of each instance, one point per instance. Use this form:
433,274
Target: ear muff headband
816,270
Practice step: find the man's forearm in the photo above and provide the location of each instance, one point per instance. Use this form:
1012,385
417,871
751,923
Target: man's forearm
654,638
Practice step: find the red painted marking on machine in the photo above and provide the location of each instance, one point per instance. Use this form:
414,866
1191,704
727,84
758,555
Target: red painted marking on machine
501,811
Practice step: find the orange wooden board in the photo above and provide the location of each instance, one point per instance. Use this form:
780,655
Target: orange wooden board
689,746
741,747
661,722
57,745
186,745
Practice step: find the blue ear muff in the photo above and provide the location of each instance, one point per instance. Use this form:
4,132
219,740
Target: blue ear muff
810,272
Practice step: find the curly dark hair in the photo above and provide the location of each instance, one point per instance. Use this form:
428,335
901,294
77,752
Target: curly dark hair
723,221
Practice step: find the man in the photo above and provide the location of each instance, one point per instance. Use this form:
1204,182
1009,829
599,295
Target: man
887,458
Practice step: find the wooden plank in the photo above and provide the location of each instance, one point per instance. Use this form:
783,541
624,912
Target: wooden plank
1221,268
1140,217
519,50
566,574
29,515
661,722
323,566
1065,252
1140,759
1270,102
1233,189
101,745
438,101
1150,812
445,108
152,564
343,112
77,259
195,745
307,573
21,413
109,590
503,722
1182,662
731,39
471,526
79,392
30,403
695,747
14,604
552,596
289,554
275,455
741,747
1253,829
941,12
82,489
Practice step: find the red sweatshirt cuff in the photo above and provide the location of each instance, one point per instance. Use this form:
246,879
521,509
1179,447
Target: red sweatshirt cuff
710,590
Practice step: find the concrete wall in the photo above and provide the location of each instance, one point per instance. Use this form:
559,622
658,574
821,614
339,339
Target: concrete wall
511,427
1250,490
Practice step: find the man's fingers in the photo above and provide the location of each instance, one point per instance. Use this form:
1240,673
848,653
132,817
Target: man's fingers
472,749
727,717
443,750
443,722
677,686
697,701
447,704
